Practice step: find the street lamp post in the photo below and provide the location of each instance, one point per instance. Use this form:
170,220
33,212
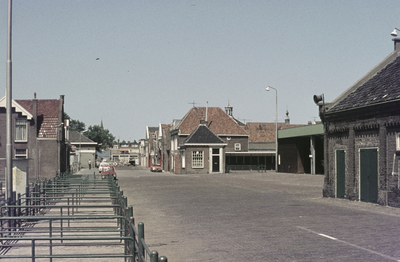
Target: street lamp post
276,127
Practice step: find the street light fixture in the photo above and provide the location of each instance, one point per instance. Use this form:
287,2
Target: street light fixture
276,127
394,33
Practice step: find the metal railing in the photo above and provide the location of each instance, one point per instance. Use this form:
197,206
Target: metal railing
60,213
256,168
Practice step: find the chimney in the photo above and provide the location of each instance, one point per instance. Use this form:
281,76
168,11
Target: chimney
396,44
34,95
35,113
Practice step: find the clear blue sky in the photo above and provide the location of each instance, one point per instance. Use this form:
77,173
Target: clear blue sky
157,57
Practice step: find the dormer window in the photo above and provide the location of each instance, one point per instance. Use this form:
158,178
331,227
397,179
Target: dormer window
238,147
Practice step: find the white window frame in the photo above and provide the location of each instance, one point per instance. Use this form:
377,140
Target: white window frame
238,147
24,136
398,141
19,154
197,159
183,159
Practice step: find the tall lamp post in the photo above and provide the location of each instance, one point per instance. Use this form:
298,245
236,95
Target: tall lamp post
276,127
9,145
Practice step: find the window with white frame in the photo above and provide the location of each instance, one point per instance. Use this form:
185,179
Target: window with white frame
21,153
197,159
183,159
397,141
20,130
238,147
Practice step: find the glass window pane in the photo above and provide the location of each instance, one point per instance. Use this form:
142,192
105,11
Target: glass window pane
20,130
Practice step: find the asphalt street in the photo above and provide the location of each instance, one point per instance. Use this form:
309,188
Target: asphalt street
256,217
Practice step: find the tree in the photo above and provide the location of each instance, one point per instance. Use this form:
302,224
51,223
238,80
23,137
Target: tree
102,136
74,125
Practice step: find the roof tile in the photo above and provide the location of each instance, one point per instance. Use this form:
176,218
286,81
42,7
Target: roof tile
382,87
218,121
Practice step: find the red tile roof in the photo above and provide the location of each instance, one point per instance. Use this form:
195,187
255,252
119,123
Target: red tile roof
264,132
218,121
47,113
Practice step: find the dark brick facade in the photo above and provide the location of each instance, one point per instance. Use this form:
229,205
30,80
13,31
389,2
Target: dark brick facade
47,152
367,128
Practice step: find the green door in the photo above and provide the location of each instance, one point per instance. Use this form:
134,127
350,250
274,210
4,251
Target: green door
369,175
340,173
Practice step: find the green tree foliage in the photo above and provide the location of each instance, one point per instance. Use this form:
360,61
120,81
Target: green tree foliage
102,136
74,125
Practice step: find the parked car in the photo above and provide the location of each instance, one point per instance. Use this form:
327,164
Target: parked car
155,168
109,170
102,165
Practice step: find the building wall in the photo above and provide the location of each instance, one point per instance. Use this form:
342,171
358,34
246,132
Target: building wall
27,165
351,135
232,140
189,169
290,157
47,157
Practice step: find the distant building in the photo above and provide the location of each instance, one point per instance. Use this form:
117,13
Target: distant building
84,150
125,154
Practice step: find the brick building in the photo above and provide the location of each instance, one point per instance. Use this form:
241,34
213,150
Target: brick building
362,137
38,137
201,140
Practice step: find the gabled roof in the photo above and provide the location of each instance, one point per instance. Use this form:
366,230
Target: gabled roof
164,129
151,130
47,115
218,121
264,132
76,137
18,107
380,85
203,135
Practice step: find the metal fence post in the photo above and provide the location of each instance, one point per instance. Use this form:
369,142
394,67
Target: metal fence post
140,237
51,235
33,250
19,208
133,237
154,256
162,259
27,201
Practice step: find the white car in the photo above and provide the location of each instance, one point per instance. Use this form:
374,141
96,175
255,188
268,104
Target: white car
102,165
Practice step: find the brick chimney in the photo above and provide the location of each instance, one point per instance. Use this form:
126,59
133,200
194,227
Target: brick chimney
396,44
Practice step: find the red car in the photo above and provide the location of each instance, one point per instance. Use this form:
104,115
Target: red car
155,168
109,170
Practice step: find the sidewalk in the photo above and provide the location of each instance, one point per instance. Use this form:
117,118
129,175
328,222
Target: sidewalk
96,194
